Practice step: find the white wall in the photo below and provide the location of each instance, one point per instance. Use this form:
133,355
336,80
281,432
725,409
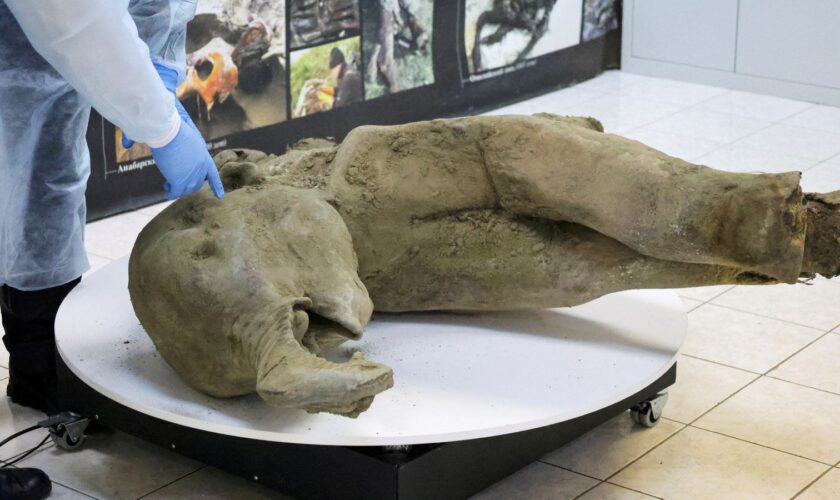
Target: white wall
789,48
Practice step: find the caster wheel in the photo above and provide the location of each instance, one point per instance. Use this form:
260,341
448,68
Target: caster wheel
63,440
643,415
647,413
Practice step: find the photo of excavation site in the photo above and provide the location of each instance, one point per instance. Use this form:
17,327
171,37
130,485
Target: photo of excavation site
313,22
397,42
499,33
599,18
326,77
236,69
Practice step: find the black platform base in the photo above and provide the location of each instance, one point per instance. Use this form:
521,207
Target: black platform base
432,471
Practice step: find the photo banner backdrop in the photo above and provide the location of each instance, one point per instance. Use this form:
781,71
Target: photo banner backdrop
264,74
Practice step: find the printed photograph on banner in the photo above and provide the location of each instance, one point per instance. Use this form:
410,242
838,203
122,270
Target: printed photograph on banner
599,18
397,45
326,77
235,70
499,33
313,22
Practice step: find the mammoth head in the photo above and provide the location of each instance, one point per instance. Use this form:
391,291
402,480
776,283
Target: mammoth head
242,294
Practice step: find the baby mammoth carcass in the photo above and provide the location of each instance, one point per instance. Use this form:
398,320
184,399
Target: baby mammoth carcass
270,281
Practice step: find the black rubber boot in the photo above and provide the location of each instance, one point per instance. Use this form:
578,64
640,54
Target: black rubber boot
29,323
24,484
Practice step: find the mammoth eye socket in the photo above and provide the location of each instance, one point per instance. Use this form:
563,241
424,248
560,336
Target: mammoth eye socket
204,68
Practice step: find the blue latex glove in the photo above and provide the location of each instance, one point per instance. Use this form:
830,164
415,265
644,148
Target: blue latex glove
184,162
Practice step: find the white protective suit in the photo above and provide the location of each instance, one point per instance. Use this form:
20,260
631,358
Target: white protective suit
57,58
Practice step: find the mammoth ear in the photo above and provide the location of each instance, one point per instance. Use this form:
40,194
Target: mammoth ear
229,155
239,168
236,175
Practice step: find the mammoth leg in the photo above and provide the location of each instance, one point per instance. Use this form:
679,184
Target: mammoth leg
492,260
658,205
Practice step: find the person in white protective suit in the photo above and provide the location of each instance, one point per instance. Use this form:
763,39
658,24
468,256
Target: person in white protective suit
59,58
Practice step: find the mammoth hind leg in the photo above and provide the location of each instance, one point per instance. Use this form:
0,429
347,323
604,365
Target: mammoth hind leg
660,206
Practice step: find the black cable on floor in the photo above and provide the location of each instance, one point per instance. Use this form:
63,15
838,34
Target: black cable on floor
19,433
25,454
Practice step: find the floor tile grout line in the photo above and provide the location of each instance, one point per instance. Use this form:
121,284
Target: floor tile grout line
732,143
776,120
74,489
633,489
723,91
771,317
820,163
719,433
202,467
582,493
731,287
646,453
809,344
724,400
772,123
813,482
720,143
698,306
540,460
98,255
599,483
812,106
719,363
704,302
669,115
777,365
806,127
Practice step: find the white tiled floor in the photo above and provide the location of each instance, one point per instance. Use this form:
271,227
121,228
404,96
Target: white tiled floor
756,408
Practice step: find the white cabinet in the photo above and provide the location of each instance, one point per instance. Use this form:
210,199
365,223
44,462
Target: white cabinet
789,48
793,40
695,32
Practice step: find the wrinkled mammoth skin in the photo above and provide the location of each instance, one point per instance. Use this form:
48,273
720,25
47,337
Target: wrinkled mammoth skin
471,214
